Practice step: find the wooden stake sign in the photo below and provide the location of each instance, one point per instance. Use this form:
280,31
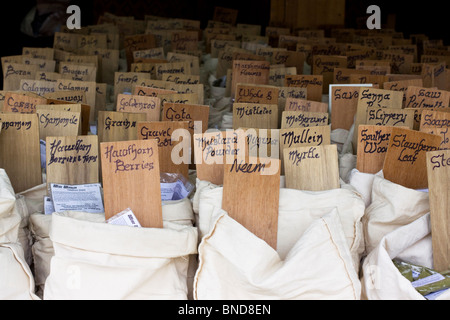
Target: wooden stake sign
131,179
20,151
58,123
312,83
343,105
212,149
258,116
16,102
312,168
438,123
72,160
417,97
438,164
151,106
252,198
252,72
246,93
118,126
162,132
305,105
390,117
373,142
301,119
405,162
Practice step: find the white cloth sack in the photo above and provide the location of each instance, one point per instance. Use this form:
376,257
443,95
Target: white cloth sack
362,182
392,206
16,278
94,260
412,244
237,265
297,211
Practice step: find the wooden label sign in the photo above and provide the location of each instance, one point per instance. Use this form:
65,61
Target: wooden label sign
301,119
312,168
438,164
39,87
370,97
38,53
67,96
186,79
75,107
58,123
180,67
16,102
72,160
153,53
162,132
246,93
312,83
278,74
185,40
150,91
137,42
124,81
252,72
225,15
20,150
251,197
179,98
259,116
263,143
373,142
289,59
402,85
390,117
73,71
196,115
417,97
118,126
324,65
47,76
13,73
213,149
151,106
305,105
131,179
90,89
438,123
405,162
343,105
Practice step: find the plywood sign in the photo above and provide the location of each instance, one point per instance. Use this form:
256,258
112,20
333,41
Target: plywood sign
118,126
438,164
438,123
72,160
131,179
74,71
196,115
39,87
263,143
20,150
402,85
90,89
212,150
246,93
162,132
312,83
373,142
16,102
343,105
124,81
301,119
137,42
13,73
252,198
312,168
75,107
405,162
259,116
58,123
185,40
151,106
391,117
252,72
180,67
324,65
305,105
418,97
68,96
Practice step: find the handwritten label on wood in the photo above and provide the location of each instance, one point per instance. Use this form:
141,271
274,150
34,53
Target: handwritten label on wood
89,88
162,132
312,168
131,179
13,73
259,116
252,198
39,87
16,102
301,119
438,123
438,164
20,150
246,93
72,160
305,105
58,123
417,97
405,162
313,84
151,106
252,72
118,126
391,117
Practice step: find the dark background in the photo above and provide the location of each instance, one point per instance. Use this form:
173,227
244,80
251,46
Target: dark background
428,17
